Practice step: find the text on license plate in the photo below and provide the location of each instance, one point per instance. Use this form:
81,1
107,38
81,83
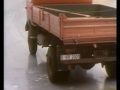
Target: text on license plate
70,57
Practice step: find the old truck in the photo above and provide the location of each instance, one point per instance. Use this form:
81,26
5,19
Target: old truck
76,32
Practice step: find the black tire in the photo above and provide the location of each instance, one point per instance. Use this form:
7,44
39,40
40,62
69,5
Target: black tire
32,40
54,75
111,69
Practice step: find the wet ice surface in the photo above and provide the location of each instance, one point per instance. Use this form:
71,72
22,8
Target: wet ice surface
25,72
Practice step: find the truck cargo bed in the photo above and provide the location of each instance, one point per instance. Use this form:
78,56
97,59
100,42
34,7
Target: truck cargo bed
95,10
77,24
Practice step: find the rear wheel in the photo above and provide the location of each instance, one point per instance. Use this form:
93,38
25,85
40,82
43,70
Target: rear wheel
111,69
54,75
32,40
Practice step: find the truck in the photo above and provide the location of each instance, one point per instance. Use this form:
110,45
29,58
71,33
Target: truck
76,32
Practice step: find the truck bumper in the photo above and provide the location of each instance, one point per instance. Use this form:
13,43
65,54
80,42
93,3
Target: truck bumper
89,60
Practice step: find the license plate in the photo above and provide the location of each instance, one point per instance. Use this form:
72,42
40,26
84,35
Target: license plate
70,57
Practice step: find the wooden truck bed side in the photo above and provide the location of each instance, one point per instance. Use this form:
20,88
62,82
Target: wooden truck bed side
46,20
88,30
76,30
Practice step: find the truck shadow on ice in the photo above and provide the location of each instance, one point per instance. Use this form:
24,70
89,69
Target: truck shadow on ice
79,79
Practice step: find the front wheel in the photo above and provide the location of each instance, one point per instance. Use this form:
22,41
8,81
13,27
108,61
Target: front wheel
32,43
32,40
